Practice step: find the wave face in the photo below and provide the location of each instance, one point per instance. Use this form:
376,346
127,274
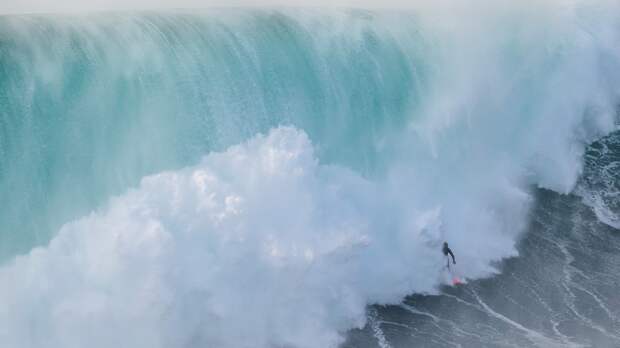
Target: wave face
257,178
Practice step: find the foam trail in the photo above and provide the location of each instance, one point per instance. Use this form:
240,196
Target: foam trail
376,329
599,185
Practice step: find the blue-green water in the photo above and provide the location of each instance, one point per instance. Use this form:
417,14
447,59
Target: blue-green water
90,105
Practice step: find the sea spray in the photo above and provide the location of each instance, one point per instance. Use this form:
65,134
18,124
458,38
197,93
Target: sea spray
256,246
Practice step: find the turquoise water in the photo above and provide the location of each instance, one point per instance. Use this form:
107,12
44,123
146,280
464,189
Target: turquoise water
91,105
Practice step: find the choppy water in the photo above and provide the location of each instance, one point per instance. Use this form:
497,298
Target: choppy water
561,291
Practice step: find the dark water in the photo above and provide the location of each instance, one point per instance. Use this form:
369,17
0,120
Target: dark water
563,290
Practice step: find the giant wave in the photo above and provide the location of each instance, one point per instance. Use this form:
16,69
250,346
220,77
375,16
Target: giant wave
257,178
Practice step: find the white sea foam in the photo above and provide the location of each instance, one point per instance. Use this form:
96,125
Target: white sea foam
256,246
253,247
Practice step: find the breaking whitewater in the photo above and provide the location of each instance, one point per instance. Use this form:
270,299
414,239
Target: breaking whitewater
286,178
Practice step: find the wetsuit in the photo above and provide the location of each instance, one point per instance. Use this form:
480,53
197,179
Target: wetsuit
447,251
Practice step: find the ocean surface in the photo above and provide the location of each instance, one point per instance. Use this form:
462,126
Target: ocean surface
286,177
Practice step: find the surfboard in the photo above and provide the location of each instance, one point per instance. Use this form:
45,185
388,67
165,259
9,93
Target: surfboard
452,275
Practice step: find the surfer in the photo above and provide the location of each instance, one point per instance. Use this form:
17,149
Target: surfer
446,250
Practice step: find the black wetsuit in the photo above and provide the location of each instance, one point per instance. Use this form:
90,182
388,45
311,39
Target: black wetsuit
447,251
